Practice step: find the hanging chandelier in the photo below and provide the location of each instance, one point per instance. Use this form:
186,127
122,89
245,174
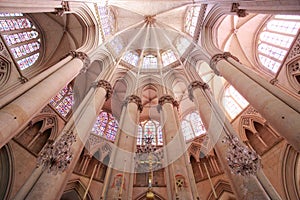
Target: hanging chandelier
56,156
241,160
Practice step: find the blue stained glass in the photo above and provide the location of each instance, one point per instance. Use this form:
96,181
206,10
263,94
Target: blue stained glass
106,126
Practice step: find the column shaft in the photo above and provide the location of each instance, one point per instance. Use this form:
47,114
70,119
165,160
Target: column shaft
280,110
16,115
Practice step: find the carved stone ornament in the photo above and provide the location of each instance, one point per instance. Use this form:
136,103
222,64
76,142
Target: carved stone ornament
196,84
82,56
23,79
134,99
166,99
64,8
216,58
274,81
4,70
106,85
239,12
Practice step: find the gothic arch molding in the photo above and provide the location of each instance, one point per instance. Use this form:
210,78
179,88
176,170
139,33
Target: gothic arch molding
143,196
221,187
6,171
290,173
75,190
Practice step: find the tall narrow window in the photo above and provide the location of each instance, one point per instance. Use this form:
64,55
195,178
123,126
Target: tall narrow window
150,129
275,40
192,126
63,101
106,126
21,37
150,62
107,20
168,57
233,102
191,20
131,57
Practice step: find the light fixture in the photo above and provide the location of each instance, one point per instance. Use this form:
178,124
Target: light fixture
241,160
56,156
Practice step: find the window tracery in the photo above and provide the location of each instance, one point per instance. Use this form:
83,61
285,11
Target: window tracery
233,102
275,40
152,129
168,57
106,126
192,126
150,62
191,20
63,101
131,57
107,20
22,38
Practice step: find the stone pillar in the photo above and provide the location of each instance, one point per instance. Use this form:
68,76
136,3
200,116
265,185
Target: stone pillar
179,182
118,183
48,186
17,114
218,127
280,110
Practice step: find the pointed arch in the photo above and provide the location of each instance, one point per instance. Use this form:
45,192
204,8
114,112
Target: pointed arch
75,190
221,187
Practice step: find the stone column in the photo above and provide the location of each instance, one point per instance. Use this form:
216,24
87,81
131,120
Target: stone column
17,114
217,126
118,183
48,186
179,182
280,110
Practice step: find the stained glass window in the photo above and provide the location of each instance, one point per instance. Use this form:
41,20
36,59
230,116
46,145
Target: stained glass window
106,126
275,40
63,101
150,128
21,37
150,62
168,57
107,20
182,44
233,102
116,45
131,57
191,20
192,126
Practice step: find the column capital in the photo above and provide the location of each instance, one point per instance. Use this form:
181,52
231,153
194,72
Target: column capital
239,12
167,99
134,99
216,58
196,84
64,8
106,85
82,56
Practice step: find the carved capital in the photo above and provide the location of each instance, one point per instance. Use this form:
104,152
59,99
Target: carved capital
216,58
106,85
239,12
167,99
23,79
134,99
82,56
274,81
194,85
64,8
